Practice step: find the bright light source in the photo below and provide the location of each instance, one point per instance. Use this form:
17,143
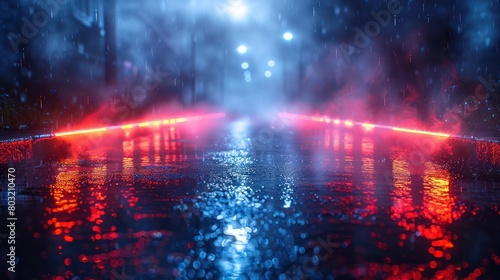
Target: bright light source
126,126
237,9
367,126
268,73
242,49
239,234
288,36
244,65
240,126
271,63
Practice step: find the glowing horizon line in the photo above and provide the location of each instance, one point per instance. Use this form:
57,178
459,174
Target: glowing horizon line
156,123
367,126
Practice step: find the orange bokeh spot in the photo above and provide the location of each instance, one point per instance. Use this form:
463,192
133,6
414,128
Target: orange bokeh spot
442,243
438,254
83,258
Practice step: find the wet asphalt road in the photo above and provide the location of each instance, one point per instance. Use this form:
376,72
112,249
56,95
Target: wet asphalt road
246,201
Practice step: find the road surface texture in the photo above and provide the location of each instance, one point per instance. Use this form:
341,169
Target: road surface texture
252,201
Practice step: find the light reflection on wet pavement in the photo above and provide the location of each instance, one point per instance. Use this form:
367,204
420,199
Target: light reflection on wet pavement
312,203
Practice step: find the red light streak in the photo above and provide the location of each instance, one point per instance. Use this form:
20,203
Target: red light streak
439,134
82,131
141,124
367,126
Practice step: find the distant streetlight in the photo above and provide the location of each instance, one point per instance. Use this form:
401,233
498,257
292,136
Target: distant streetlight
237,9
242,49
288,36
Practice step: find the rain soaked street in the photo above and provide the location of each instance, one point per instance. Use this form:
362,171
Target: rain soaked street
242,201
249,139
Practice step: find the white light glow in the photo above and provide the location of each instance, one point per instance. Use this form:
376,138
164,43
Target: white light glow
242,49
244,65
268,73
237,9
271,63
288,36
239,234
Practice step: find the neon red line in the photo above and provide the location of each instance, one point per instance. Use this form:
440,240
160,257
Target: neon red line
365,125
141,124
421,132
82,131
